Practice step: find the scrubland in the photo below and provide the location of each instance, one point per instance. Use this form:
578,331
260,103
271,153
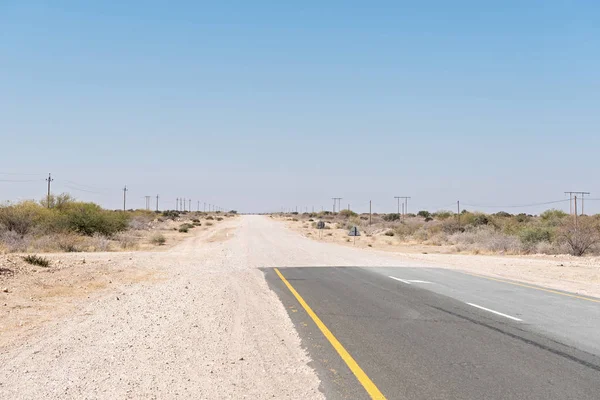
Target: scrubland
551,232
68,225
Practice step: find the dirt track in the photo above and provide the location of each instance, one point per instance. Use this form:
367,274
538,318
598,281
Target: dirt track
207,325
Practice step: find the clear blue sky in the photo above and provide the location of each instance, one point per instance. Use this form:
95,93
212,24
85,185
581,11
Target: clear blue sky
261,105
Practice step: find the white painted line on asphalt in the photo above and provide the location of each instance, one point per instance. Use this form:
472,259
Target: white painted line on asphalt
408,281
401,280
495,312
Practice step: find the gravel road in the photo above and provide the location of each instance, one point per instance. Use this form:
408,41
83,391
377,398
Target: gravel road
209,327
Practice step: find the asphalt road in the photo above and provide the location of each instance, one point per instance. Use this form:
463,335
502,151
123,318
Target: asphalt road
420,333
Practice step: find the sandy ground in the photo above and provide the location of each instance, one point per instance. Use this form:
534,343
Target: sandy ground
199,321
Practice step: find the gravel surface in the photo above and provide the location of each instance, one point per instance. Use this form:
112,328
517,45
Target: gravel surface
207,327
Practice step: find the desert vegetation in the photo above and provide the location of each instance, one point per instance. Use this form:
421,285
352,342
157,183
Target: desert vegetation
63,224
551,232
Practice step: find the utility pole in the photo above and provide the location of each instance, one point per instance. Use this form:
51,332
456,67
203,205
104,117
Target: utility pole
405,206
575,211
124,197
147,202
571,201
204,206
398,198
458,212
190,207
338,199
49,180
198,209
156,203
370,214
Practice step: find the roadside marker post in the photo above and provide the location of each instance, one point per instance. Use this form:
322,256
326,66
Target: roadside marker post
354,232
320,227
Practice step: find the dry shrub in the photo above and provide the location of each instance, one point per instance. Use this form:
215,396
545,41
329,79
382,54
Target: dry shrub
438,239
70,243
580,237
98,242
407,228
485,239
422,234
158,239
139,223
37,260
12,242
126,241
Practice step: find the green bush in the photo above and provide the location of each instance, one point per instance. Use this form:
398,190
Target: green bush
522,217
424,214
443,215
23,217
171,214
480,220
533,235
553,217
348,213
57,201
391,217
89,218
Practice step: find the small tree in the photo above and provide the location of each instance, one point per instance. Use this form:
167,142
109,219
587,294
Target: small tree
579,236
424,214
57,201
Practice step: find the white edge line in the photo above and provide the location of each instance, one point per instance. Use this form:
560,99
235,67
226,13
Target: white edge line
495,312
401,280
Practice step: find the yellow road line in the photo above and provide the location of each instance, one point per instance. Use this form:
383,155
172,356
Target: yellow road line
364,380
534,287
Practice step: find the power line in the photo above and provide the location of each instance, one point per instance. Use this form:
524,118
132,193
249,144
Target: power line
86,186
21,180
571,201
517,206
81,190
19,174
